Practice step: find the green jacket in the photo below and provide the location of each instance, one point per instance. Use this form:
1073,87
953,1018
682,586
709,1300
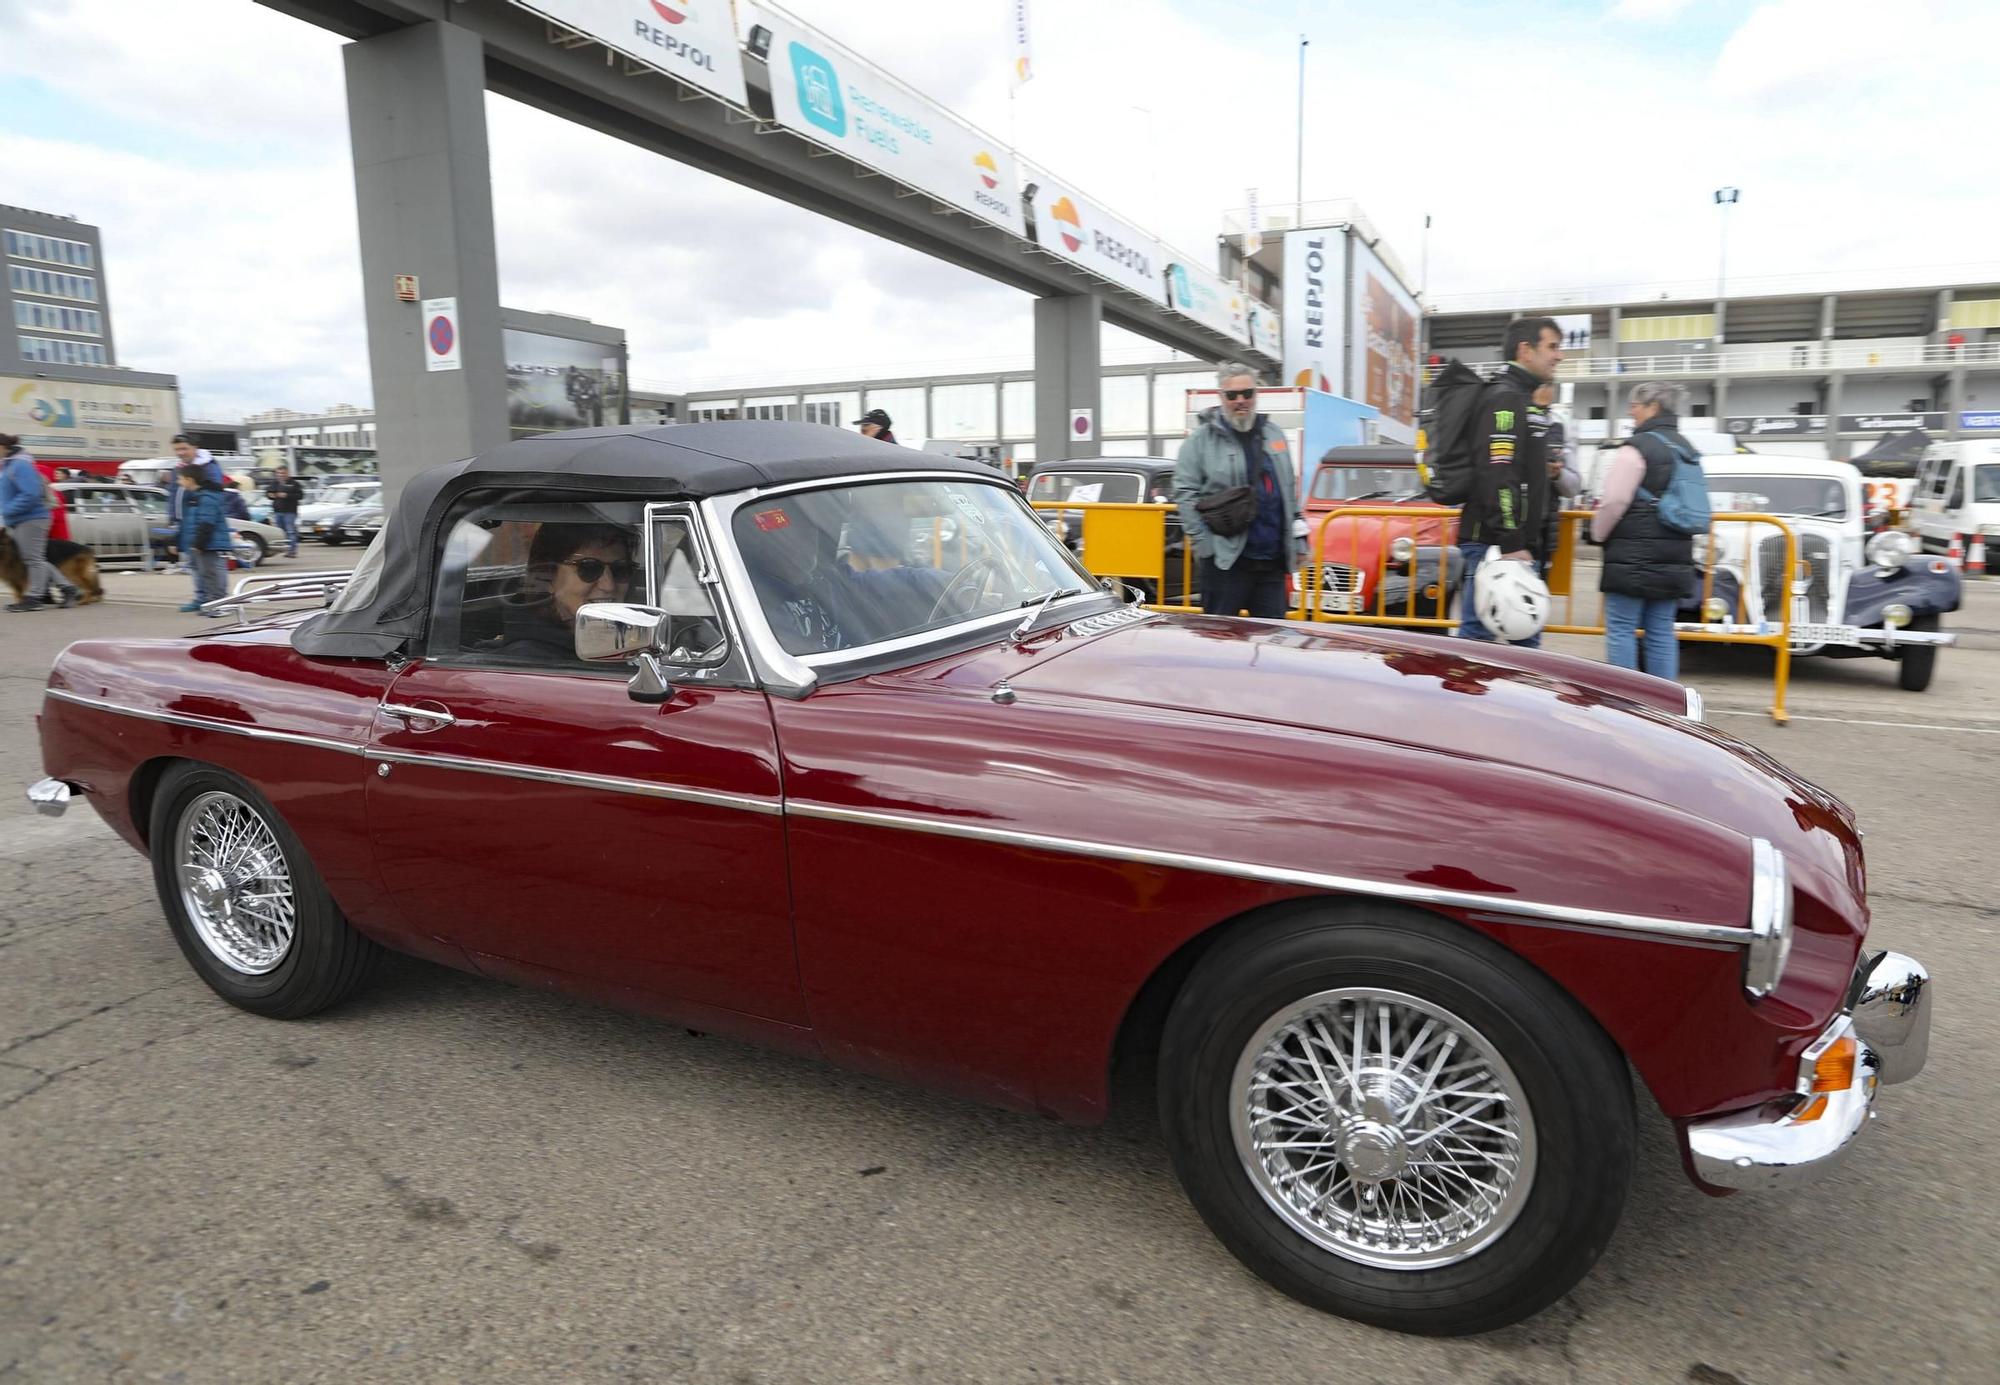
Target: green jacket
1211,460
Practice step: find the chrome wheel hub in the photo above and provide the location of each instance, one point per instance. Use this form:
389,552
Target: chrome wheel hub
1383,1128
234,884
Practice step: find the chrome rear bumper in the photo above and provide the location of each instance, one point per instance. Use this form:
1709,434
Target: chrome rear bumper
50,796
1888,1014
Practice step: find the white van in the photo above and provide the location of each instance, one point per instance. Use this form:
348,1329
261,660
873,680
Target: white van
1957,495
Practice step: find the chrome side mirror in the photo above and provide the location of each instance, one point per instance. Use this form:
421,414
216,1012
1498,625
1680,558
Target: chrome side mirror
652,640
613,632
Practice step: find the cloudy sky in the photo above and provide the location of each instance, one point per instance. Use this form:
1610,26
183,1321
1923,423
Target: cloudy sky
1564,143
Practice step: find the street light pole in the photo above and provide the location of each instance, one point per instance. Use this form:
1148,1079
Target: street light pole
1725,198
1299,212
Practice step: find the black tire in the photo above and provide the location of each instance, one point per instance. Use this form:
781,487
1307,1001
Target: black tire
256,541
1916,665
326,960
332,539
1572,1078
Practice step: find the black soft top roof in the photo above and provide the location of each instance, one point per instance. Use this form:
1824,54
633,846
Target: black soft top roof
654,462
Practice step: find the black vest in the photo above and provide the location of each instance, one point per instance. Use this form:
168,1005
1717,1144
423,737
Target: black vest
1643,557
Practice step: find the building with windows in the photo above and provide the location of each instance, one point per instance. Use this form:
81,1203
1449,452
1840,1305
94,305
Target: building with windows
1142,410
56,299
341,438
1825,364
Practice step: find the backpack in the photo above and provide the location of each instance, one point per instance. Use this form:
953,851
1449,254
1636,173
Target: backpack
1451,438
1684,508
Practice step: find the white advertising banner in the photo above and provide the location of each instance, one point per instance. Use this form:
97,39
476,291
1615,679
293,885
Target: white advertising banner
65,421
1266,332
692,41
1382,331
1017,22
1104,245
833,98
1208,299
1253,237
1315,307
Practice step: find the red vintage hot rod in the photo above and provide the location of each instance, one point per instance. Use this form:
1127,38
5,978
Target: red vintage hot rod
697,720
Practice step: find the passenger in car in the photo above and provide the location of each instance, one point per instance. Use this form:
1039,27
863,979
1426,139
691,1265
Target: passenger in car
569,566
798,584
890,595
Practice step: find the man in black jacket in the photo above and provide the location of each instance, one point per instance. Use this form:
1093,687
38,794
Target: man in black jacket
1511,493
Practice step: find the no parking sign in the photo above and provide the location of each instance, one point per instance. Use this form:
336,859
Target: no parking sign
441,334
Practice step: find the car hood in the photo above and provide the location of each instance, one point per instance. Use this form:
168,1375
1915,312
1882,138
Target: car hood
1548,714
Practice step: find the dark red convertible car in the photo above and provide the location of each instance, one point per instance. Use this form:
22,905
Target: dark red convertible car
726,723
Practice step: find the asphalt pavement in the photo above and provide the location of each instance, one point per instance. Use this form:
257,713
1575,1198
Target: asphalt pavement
452,1179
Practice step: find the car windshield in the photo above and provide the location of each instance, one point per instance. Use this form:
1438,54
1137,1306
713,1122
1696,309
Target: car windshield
1366,483
1811,497
1986,484
848,566
1085,487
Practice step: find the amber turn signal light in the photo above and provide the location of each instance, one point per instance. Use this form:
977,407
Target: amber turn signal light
1834,1072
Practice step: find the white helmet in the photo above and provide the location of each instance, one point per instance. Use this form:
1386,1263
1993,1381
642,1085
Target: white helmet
1509,598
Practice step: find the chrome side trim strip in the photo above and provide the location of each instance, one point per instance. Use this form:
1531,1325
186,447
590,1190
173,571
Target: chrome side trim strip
1509,908
769,807
200,723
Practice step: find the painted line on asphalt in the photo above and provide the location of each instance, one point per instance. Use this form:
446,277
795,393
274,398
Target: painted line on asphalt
1856,721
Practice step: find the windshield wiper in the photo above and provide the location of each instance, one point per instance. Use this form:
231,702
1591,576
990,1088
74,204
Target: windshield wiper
1040,604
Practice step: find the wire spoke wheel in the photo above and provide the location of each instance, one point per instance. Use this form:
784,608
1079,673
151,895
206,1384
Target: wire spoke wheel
1383,1128
234,883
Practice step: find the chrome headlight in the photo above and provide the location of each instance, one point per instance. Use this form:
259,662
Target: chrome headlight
1402,549
1770,920
1890,549
1896,615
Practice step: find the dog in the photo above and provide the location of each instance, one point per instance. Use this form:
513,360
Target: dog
76,562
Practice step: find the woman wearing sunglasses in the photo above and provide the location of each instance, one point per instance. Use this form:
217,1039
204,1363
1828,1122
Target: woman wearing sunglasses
569,566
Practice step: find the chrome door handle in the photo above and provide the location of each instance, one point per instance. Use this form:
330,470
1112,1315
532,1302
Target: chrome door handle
440,717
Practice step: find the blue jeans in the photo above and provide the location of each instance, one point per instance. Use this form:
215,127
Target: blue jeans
290,524
1623,615
211,575
1470,627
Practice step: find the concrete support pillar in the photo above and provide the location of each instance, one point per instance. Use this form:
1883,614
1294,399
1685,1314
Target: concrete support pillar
1068,372
416,115
1721,409
1827,310
1834,404
1954,402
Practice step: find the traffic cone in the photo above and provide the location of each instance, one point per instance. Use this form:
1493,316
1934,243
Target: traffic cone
1956,553
1975,557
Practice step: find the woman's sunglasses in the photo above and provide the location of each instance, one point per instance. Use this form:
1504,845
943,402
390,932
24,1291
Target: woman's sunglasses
590,569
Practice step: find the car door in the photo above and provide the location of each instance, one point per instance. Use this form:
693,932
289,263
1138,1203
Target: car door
558,830
109,522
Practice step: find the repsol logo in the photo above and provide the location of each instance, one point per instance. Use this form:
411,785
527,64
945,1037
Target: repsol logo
1316,293
990,202
1119,252
675,47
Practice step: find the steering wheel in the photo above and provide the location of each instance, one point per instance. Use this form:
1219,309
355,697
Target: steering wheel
986,564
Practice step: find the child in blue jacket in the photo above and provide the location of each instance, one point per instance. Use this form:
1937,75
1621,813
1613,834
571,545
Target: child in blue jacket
205,539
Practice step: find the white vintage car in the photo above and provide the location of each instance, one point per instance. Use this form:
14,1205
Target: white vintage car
1851,595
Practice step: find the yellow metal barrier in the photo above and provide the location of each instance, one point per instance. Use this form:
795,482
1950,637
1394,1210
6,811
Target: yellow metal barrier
1426,526
1128,541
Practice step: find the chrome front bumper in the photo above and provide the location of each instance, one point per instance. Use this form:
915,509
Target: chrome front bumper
50,796
1888,1014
